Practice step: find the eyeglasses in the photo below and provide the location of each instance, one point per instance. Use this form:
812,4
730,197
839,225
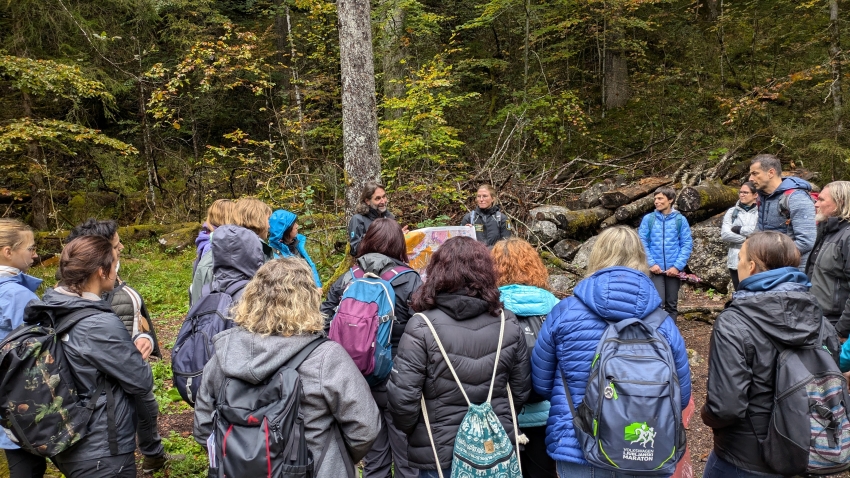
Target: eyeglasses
31,249
744,192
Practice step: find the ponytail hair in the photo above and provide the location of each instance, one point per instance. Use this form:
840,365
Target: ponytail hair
83,257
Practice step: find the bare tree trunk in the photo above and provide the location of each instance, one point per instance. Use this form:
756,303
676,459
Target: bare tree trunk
146,141
359,113
709,9
294,69
40,200
393,55
282,35
617,89
835,62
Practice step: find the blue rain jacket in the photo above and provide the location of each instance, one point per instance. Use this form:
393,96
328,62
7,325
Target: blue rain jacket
279,222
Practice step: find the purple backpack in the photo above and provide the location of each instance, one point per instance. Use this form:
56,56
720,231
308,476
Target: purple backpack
363,322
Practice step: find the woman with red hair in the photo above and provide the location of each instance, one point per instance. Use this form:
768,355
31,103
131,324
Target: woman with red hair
522,281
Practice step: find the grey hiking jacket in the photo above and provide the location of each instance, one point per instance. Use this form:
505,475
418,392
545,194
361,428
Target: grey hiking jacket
333,390
491,224
100,345
829,271
802,228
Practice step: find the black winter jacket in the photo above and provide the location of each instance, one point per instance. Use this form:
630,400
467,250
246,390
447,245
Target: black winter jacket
404,286
359,223
99,345
742,366
122,305
470,336
491,224
829,270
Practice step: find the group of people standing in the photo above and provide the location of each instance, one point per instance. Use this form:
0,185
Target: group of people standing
483,328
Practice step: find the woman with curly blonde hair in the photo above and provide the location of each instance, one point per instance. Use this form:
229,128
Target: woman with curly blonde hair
276,318
523,280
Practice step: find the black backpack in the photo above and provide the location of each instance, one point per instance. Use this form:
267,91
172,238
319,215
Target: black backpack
37,389
258,428
193,347
809,431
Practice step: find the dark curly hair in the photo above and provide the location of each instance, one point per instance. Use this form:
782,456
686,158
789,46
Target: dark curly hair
460,264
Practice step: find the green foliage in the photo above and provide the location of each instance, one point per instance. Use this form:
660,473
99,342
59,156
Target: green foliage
438,221
195,465
57,135
161,279
46,77
421,132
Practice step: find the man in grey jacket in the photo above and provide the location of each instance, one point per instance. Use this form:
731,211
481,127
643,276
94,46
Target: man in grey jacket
784,204
829,263
373,205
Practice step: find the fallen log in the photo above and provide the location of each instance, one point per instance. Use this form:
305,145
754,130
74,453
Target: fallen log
625,195
635,209
557,262
52,242
611,221
707,196
584,220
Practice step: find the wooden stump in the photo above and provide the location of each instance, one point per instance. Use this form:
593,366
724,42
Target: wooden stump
707,196
635,209
625,195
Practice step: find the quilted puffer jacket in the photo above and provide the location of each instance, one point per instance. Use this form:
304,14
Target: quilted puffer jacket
666,239
568,342
470,336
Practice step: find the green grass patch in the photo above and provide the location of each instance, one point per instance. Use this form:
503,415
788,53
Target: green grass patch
195,465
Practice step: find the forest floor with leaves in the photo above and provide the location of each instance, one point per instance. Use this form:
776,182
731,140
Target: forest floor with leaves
162,279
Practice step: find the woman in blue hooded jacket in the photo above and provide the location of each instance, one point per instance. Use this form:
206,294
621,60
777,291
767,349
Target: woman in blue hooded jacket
285,240
617,288
17,289
522,281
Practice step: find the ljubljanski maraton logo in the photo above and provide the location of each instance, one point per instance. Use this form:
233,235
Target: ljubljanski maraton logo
643,435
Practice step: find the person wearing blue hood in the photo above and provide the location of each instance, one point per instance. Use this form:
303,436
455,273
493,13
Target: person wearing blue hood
17,289
285,240
667,240
784,204
617,288
772,308
522,281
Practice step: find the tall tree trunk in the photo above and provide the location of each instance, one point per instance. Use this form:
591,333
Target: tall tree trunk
281,38
294,68
709,9
359,113
147,142
393,55
40,193
617,89
835,62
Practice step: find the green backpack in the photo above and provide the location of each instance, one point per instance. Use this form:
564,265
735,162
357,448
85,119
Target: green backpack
482,447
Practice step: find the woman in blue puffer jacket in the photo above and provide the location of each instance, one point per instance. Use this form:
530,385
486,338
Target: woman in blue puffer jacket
522,280
617,288
286,242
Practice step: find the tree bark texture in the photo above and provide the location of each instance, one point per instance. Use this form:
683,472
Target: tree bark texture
708,196
359,115
625,195
835,63
617,89
393,55
635,209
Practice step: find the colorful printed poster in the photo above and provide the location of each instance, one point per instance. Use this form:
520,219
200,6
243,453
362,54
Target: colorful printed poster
422,243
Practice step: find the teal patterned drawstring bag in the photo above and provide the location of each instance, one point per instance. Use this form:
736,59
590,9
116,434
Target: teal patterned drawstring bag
482,448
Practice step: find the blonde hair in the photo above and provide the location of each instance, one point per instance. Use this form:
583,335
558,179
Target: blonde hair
12,233
282,299
840,192
253,214
617,246
517,262
220,212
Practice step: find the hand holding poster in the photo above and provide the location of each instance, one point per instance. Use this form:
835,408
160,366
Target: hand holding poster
422,243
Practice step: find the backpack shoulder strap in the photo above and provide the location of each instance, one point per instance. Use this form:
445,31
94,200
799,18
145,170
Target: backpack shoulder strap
357,272
650,224
472,217
656,318
679,224
302,355
235,287
70,320
396,271
446,356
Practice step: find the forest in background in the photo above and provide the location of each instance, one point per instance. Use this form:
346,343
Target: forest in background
147,110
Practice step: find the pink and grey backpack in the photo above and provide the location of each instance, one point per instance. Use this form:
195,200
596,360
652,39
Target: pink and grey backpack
363,322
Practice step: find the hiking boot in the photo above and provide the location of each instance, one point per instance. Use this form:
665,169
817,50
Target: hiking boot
153,463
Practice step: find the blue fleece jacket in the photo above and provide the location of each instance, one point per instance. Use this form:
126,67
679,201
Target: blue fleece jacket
279,222
524,301
802,228
666,239
568,342
15,293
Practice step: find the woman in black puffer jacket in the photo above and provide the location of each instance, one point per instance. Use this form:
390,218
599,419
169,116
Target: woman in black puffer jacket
462,301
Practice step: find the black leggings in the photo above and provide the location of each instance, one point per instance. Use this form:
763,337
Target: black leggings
23,464
735,281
